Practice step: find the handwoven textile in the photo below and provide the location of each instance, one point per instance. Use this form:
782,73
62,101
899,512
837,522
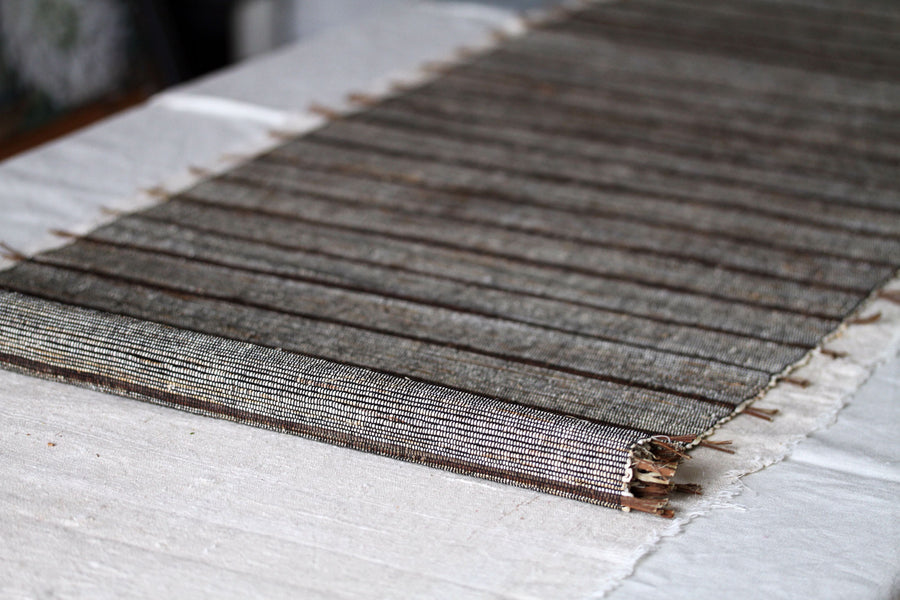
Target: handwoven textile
530,269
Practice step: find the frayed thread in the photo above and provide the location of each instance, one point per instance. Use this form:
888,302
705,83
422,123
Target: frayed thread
324,111
11,253
654,463
760,413
874,318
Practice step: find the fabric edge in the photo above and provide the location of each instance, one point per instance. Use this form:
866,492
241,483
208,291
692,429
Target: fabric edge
317,399
868,345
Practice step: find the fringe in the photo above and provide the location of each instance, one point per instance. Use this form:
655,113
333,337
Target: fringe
653,466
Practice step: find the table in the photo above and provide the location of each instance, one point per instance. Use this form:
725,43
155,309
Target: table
104,496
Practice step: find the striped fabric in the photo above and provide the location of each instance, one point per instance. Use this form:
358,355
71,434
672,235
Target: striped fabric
554,265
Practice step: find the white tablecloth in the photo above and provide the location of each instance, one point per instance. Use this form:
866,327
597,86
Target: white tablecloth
108,497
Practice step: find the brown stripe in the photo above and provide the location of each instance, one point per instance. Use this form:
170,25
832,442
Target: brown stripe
551,235
468,282
359,172
619,188
398,296
660,39
187,198
181,292
450,128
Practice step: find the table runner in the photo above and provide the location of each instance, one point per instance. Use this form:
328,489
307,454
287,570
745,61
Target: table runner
522,288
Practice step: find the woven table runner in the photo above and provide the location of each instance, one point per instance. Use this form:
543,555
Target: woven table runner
558,264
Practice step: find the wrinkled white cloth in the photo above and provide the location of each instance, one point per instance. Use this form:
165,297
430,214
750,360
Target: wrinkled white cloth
105,497
822,524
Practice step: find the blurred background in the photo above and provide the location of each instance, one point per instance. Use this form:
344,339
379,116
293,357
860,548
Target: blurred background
67,63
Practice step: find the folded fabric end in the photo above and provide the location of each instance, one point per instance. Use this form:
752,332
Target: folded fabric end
649,482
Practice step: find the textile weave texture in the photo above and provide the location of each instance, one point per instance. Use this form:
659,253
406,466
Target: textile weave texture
554,265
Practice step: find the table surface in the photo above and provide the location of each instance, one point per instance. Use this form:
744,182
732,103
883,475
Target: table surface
104,496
